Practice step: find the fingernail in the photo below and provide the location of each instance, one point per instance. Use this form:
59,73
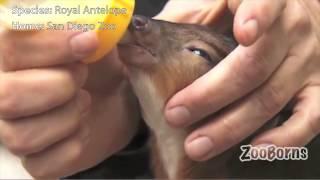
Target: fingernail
200,147
178,116
252,29
84,44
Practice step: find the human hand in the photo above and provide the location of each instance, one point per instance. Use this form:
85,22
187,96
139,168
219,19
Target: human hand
202,12
277,61
58,115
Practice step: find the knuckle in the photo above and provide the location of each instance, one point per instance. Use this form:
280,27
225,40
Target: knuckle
314,127
258,70
17,144
73,125
269,8
76,118
8,53
233,5
17,141
316,51
314,122
65,76
65,79
63,53
299,21
84,102
75,151
78,144
84,134
313,53
80,73
35,169
263,7
9,99
37,172
309,55
270,100
60,89
59,56
231,137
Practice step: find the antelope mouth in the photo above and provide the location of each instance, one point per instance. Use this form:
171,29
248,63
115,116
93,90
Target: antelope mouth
133,53
128,41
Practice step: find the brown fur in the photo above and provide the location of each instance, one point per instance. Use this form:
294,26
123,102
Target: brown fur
169,67
160,63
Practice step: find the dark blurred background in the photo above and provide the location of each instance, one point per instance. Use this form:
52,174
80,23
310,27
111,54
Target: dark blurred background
149,7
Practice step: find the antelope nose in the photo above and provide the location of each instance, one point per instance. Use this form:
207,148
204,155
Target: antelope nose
140,23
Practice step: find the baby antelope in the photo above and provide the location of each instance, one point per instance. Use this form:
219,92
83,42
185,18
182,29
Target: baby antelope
162,58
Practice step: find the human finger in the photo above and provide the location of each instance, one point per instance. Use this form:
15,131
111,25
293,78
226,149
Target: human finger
29,92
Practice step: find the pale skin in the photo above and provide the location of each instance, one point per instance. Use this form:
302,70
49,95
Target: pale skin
277,61
59,115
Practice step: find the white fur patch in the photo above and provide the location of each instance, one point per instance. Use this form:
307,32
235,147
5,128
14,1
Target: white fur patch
170,140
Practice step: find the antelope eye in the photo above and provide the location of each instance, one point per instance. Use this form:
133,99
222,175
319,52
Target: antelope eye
200,52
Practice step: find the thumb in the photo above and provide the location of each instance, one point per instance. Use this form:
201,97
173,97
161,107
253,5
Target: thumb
253,18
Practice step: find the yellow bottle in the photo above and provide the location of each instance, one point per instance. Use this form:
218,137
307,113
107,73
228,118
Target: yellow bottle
108,18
